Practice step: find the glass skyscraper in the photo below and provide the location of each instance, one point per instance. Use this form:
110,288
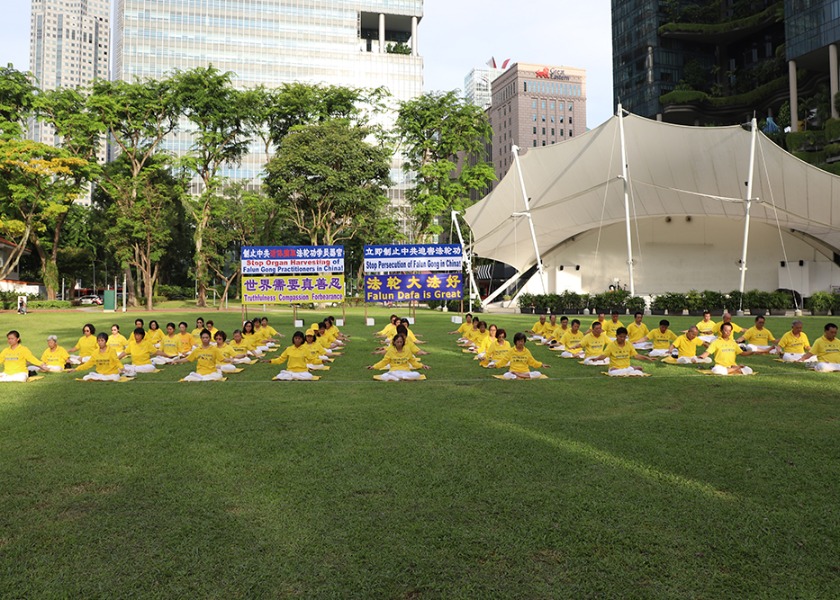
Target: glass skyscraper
333,42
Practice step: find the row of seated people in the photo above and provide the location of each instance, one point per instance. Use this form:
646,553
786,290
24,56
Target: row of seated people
494,351
401,352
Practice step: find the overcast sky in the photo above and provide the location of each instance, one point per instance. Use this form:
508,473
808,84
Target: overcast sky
457,35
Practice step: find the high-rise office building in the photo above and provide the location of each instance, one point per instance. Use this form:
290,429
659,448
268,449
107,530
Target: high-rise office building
478,85
358,43
69,47
535,105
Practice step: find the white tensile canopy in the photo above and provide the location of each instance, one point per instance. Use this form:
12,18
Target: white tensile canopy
577,185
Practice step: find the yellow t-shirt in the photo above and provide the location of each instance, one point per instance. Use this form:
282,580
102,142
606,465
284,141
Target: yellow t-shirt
155,336
141,353
520,361
538,327
314,353
390,330
297,356
611,326
106,363
55,358
636,332
87,345
118,342
15,360
725,351
549,329
196,335
593,346
661,341
794,345
620,355
171,345
242,347
186,342
559,332
499,353
571,339
758,337
206,359
269,330
706,327
826,351
228,351
402,360
686,347
464,327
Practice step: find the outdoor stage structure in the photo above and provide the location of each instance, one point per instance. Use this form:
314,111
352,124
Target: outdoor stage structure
654,207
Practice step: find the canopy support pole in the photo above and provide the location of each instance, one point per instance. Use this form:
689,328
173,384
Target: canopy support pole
540,268
626,200
467,261
754,127
500,289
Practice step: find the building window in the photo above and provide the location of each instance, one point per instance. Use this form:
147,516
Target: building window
535,118
535,131
570,120
542,105
551,106
543,130
552,131
535,143
543,142
543,118
533,104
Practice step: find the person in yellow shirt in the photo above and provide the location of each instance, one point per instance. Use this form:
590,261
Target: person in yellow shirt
170,345
727,318
826,349
196,333
390,330
242,348
106,365
399,362
601,320
794,344
477,339
86,345
186,341
117,340
155,334
706,328
336,332
15,358
464,327
499,351
758,338
593,345
55,358
409,345
315,358
520,361
412,337
558,333
661,339
537,329
726,351
685,347
141,351
571,341
207,359
611,326
211,327
227,351
481,348
619,353
298,358
637,333
272,333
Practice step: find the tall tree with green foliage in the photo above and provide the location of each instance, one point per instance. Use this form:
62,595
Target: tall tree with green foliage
331,180
139,215
79,130
443,139
17,97
219,114
138,116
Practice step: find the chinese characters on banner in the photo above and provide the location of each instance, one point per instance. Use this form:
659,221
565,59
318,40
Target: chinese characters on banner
292,289
399,258
314,274
264,260
418,286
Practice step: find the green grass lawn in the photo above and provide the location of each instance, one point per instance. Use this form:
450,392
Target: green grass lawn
672,486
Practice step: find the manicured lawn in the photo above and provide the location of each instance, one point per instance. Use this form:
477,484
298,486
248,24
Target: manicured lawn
672,486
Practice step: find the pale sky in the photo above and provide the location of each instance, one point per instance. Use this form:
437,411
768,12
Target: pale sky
457,35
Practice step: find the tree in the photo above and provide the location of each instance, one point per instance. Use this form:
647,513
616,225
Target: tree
80,131
331,180
37,182
139,214
17,96
443,139
219,114
138,115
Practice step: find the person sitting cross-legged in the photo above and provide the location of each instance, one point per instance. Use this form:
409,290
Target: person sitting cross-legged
758,338
619,354
794,344
726,351
685,347
826,349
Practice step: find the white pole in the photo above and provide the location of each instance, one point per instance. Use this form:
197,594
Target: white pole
754,126
540,269
124,284
467,261
626,200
